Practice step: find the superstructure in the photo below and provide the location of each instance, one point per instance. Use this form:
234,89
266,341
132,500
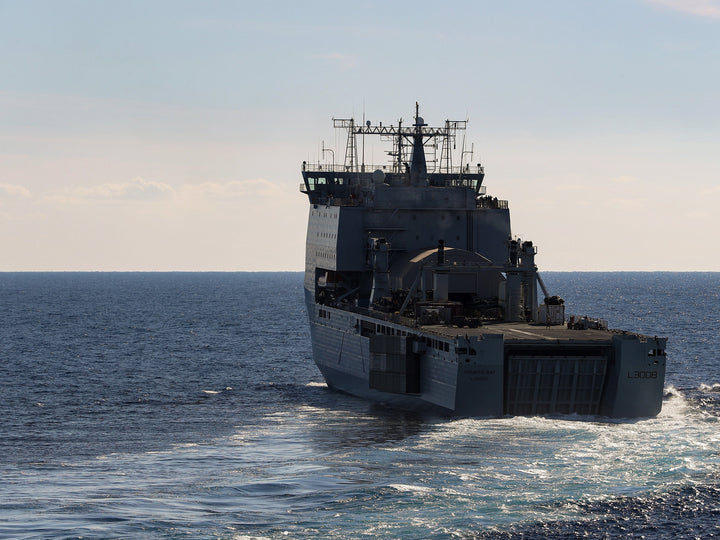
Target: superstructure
418,295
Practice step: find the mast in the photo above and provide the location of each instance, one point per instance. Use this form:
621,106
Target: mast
409,158
418,165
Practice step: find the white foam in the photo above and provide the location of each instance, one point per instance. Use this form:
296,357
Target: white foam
532,458
407,488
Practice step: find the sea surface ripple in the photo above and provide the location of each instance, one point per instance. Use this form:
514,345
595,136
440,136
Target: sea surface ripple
181,405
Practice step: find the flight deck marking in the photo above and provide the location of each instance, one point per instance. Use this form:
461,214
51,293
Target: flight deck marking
529,333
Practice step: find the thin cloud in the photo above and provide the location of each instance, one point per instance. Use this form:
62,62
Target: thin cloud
699,215
12,191
235,189
701,8
141,190
137,189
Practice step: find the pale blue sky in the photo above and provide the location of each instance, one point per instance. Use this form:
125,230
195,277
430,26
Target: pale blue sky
168,135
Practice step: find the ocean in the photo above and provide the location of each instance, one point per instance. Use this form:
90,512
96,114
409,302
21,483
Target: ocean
187,406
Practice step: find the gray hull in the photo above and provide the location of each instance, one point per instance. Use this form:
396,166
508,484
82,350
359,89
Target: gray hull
488,372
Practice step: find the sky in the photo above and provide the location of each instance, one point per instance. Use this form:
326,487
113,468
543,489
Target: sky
169,135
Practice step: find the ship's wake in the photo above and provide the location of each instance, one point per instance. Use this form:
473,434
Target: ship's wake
511,477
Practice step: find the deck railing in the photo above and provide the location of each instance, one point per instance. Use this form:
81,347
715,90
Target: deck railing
381,315
368,169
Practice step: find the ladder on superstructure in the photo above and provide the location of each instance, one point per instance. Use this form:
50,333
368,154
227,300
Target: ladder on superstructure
350,162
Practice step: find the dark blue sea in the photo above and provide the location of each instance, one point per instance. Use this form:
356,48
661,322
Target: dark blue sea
186,405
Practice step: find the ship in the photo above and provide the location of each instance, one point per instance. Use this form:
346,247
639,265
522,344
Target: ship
419,297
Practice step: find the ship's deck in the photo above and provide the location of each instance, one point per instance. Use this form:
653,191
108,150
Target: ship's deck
520,332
